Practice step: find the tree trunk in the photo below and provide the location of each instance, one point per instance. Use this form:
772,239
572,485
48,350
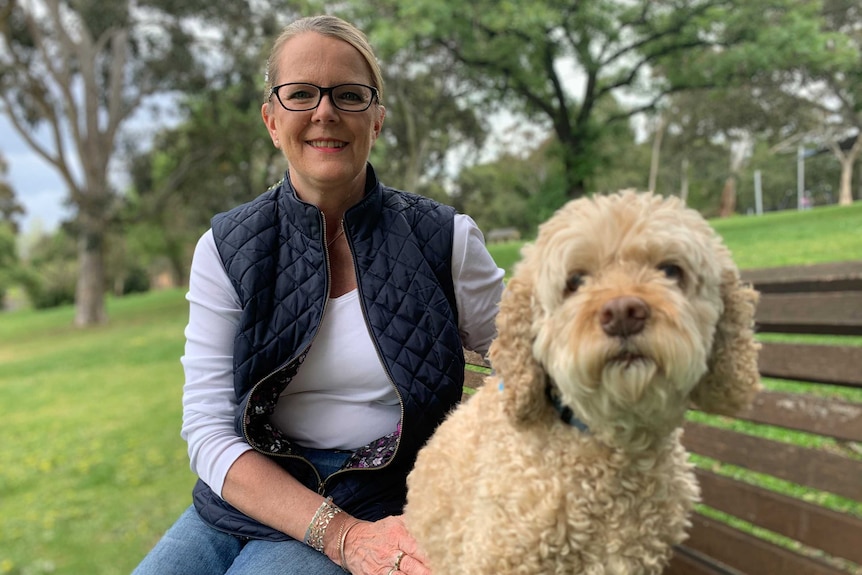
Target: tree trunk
178,263
90,289
683,184
845,191
728,197
576,185
656,152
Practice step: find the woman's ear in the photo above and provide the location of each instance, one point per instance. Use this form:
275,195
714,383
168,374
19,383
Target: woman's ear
378,123
269,121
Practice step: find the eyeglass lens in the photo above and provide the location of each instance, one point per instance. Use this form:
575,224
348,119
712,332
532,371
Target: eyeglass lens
346,97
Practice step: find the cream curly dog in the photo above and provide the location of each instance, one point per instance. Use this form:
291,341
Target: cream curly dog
627,309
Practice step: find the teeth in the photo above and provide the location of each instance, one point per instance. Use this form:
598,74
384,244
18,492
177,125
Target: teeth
326,144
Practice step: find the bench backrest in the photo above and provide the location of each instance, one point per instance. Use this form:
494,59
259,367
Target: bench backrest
782,483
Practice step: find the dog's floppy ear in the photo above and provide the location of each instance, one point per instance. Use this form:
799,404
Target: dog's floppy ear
521,378
732,379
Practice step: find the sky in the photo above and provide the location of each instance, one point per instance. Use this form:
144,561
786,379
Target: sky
37,185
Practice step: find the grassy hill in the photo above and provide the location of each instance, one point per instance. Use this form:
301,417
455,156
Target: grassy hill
775,239
92,468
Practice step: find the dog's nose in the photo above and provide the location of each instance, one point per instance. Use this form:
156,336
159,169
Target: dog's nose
624,316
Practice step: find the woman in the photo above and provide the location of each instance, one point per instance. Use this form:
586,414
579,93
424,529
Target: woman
326,324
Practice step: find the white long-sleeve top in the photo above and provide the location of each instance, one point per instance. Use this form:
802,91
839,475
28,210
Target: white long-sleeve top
341,397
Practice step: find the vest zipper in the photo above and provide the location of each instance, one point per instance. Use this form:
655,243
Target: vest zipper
321,482
385,369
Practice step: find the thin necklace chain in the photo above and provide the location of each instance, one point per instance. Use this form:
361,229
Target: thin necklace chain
338,235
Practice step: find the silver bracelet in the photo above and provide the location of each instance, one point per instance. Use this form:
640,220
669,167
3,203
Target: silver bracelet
317,528
342,537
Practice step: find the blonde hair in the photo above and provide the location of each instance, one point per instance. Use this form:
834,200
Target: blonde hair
330,26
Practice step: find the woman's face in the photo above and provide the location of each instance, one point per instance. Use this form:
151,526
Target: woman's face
325,148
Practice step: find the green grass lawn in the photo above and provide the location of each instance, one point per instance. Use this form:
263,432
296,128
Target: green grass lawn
92,468
824,234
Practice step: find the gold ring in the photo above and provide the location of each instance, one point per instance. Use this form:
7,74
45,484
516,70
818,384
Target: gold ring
398,559
393,570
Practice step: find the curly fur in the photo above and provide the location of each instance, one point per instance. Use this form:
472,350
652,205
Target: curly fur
505,486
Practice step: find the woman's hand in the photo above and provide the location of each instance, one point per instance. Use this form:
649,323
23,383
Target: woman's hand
381,548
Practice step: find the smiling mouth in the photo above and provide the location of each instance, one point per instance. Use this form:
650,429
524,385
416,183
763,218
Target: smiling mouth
328,144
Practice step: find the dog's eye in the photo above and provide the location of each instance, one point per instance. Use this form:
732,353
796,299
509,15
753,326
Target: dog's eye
671,271
574,281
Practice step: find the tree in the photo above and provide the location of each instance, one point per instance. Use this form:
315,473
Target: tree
217,156
778,176
557,61
193,171
847,157
83,68
776,79
10,209
500,194
835,87
428,118
8,259
49,271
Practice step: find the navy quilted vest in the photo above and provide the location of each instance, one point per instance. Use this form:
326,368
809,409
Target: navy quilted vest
274,253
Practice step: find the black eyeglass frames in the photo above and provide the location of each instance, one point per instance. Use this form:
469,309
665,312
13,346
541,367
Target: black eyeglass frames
301,97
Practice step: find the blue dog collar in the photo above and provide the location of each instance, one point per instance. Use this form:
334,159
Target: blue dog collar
566,413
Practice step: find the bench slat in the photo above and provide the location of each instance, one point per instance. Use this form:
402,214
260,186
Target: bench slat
835,313
808,467
688,561
750,554
836,533
830,417
831,276
836,364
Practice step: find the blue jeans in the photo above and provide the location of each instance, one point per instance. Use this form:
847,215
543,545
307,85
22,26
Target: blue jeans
192,547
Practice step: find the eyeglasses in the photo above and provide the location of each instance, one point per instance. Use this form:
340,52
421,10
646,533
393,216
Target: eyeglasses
297,97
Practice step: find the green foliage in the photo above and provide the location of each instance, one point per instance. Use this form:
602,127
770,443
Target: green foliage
527,57
50,273
498,194
426,118
772,38
10,208
524,188
194,171
8,259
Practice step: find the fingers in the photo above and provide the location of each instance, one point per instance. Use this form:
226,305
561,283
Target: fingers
407,543
412,566
384,548
406,565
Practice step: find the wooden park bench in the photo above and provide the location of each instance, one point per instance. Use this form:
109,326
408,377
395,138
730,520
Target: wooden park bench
782,483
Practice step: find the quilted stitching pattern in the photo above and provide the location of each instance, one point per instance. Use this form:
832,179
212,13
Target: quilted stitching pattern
273,251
